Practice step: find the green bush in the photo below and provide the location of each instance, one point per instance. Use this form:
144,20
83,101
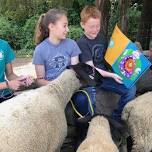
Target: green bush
134,16
28,33
75,32
73,16
8,31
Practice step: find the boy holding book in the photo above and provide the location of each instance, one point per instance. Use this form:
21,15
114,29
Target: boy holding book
93,46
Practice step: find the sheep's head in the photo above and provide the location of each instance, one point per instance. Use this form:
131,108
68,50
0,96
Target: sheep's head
87,75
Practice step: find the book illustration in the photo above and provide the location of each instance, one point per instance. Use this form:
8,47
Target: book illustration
125,58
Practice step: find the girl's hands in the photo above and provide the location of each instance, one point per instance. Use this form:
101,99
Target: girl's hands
26,80
117,78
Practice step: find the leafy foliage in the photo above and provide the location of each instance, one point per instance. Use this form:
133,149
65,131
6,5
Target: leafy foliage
75,32
28,33
18,19
9,32
134,16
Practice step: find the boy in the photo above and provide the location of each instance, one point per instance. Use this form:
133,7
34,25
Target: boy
93,46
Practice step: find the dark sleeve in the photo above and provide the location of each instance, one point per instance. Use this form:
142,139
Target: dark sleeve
85,51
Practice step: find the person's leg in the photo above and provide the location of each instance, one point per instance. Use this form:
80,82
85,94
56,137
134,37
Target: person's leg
126,95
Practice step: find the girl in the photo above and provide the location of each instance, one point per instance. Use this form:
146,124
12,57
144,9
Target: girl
54,52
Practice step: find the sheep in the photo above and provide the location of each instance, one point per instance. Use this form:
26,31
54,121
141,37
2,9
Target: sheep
98,137
34,121
138,116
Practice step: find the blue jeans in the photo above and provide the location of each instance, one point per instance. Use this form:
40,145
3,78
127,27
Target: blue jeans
127,95
81,102
111,85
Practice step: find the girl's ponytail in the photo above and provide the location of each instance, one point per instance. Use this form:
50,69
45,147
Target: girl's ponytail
41,31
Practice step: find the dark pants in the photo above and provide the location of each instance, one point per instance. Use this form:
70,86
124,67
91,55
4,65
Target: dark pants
6,97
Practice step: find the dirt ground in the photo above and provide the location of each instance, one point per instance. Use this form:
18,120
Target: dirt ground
21,61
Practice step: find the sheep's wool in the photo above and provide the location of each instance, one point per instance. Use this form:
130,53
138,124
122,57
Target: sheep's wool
34,121
138,115
98,137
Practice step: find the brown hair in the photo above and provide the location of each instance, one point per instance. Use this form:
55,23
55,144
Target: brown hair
42,31
89,12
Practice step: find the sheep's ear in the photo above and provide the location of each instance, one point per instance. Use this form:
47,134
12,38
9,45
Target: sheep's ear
83,73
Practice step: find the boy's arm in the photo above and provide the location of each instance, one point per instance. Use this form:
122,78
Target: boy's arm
106,73
40,72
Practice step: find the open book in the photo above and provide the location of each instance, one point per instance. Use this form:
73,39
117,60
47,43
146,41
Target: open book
125,58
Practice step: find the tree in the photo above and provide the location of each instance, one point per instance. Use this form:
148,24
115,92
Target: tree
104,6
123,20
145,26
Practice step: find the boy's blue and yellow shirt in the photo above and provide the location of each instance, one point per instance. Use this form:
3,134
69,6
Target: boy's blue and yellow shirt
6,56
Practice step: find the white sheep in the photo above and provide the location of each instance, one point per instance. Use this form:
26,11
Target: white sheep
34,121
138,115
98,137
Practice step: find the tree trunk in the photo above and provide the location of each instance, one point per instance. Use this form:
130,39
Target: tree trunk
123,21
144,33
104,6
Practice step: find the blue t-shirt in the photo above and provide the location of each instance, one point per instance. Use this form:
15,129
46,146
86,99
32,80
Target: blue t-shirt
6,56
55,58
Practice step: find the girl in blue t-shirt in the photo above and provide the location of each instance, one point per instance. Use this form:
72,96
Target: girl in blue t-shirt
9,81
54,52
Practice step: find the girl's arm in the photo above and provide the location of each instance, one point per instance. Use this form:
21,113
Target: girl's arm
40,73
105,73
74,60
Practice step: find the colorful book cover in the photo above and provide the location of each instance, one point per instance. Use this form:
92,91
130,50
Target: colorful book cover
125,59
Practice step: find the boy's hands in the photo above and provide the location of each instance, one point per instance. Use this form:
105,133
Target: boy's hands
117,78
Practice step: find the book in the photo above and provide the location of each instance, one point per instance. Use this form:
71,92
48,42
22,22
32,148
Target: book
125,58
